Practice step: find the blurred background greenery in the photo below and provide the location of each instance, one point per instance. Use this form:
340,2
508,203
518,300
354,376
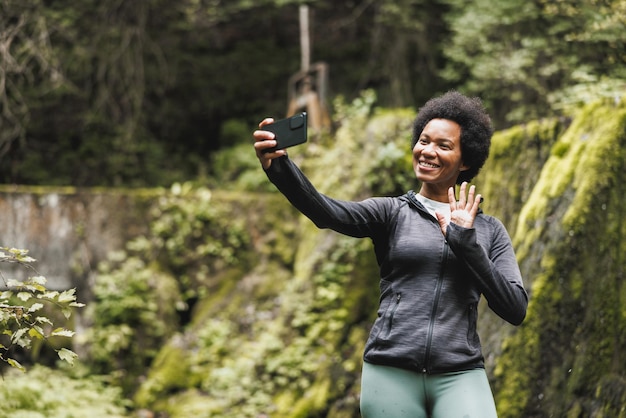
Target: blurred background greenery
143,93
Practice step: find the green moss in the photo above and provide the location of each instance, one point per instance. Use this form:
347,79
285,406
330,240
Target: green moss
314,399
170,372
596,169
514,165
570,245
193,403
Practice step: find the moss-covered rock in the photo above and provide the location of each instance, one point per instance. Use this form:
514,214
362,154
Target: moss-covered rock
567,359
506,181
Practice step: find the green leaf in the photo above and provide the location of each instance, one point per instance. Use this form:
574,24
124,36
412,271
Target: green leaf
62,332
14,283
49,295
67,355
67,296
36,332
24,296
25,342
16,364
35,307
21,255
35,287
43,320
17,335
38,280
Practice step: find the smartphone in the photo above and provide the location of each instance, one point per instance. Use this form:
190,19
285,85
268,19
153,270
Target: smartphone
288,132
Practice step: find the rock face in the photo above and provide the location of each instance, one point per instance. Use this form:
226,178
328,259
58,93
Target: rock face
568,358
276,312
69,231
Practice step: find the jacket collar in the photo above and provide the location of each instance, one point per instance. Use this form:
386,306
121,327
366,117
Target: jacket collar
410,196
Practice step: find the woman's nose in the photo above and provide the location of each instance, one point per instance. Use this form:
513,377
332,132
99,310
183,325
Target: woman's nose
428,149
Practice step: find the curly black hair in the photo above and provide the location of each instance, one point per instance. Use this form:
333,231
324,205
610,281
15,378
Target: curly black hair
475,123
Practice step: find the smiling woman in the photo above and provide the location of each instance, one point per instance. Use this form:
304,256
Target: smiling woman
436,255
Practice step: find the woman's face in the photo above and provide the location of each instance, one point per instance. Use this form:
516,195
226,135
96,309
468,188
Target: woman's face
437,154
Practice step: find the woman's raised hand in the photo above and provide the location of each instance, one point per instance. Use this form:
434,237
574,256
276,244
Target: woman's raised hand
462,212
264,140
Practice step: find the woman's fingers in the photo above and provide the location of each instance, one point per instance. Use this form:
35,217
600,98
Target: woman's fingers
265,121
264,140
452,199
473,201
462,191
475,205
467,198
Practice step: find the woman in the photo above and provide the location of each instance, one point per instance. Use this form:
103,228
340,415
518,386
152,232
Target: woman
437,255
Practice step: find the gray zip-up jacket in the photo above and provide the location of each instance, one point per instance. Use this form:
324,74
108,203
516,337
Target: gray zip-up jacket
430,285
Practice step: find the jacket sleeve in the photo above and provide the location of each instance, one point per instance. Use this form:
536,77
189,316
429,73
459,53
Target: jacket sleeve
495,271
356,219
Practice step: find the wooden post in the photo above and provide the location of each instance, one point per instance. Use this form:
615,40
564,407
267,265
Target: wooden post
305,87
305,45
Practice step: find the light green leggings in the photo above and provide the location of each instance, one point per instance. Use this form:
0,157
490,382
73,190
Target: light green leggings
390,392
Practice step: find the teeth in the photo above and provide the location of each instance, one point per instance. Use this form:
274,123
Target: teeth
425,164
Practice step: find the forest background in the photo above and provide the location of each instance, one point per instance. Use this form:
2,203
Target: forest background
147,95
143,93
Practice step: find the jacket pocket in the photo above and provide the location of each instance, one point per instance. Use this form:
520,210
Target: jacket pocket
387,319
472,335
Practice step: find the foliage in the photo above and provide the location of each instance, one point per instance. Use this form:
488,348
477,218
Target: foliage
384,136
140,93
31,65
42,392
115,92
134,311
22,317
144,93
239,168
131,93
247,354
532,59
142,293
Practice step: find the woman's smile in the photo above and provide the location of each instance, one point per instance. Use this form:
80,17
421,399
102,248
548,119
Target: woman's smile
428,165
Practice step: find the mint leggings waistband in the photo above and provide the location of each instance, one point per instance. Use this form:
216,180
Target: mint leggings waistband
390,392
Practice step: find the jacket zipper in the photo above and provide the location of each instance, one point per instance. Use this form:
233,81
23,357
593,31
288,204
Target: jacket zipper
431,325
